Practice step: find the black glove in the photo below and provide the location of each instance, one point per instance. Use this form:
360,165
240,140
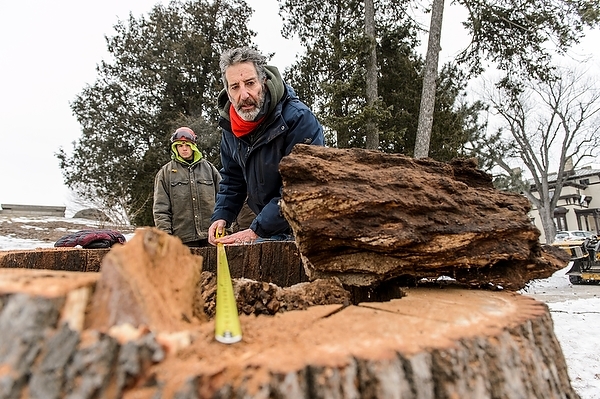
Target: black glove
91,239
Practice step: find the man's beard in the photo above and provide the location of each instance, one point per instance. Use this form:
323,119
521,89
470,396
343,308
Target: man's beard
249,116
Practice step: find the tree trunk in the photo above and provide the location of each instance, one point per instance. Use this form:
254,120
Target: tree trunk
372,142
429,81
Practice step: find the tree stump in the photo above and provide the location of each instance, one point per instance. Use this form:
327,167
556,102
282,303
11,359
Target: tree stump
119,323
431,343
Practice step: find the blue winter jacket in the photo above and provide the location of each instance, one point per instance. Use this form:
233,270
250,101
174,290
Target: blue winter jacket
251,163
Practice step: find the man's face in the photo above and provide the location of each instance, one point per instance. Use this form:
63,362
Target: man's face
244,89
185,151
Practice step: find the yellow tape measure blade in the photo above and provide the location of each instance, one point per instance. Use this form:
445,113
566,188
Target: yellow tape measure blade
227,321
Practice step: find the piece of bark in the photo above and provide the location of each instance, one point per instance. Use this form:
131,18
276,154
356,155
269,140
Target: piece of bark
150,281
366,217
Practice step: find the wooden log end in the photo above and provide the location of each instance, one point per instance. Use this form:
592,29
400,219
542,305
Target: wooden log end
152,281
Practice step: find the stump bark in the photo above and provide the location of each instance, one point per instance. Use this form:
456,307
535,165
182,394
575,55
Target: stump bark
367,217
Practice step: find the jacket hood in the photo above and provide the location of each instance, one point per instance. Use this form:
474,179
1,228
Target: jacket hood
274,84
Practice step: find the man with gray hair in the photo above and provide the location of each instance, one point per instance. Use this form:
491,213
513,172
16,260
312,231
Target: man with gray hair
261,119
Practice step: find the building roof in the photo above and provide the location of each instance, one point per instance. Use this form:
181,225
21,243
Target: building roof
573,174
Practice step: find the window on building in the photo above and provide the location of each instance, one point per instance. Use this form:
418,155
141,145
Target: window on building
561,222
560,218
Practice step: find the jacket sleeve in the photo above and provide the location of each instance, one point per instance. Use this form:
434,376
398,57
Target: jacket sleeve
232,187
270,220
161,208
303,128
303,125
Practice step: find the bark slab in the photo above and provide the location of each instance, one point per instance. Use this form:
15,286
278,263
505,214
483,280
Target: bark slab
367,217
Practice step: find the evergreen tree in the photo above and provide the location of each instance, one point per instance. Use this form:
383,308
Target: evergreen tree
519,37
330,77
455,122
164,73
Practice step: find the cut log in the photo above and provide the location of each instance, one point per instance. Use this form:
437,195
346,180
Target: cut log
367,217
433,343
66,259
273,262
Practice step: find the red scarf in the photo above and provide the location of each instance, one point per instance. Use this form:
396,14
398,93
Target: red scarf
239,126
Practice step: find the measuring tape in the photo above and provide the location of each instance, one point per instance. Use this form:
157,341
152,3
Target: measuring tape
227,320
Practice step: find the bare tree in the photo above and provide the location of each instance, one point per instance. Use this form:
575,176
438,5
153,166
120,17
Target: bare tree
544,125
429,77
116,211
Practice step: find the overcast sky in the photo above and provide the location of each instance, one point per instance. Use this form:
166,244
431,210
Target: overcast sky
48,53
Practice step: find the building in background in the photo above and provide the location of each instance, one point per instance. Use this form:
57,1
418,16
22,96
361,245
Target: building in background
578,207
32,210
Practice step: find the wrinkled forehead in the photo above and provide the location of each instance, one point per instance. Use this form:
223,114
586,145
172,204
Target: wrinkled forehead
240,72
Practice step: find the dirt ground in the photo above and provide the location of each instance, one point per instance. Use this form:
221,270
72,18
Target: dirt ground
49,229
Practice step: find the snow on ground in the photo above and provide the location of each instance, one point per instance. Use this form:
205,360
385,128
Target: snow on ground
20,232
576,325
21,243
575,312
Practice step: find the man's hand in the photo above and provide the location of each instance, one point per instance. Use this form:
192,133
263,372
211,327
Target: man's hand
240,238
217,228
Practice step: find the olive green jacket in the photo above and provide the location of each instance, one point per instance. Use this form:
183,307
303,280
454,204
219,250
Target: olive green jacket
184,198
